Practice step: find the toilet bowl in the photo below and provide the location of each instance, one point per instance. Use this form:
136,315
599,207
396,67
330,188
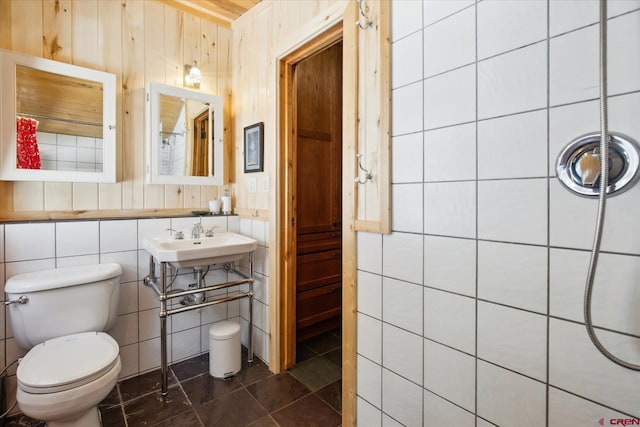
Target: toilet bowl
65,375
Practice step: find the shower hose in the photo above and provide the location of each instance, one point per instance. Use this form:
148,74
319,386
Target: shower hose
602,199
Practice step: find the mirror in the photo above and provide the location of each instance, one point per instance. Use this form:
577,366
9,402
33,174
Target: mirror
58,121
184,136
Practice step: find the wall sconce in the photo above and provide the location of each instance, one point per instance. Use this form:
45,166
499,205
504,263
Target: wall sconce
192,75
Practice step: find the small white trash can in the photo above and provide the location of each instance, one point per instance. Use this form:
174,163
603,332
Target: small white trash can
224,349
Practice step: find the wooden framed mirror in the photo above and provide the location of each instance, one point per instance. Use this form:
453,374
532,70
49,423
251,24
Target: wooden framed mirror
58,121
184,136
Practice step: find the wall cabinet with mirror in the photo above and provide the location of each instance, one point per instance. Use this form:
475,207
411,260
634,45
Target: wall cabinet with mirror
184,136
58,121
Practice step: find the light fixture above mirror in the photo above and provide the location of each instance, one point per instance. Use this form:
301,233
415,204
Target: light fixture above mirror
192,75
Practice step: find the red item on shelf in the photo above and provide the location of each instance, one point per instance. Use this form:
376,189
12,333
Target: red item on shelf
28,152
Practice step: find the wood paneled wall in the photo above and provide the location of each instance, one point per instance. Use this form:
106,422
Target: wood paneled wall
140,41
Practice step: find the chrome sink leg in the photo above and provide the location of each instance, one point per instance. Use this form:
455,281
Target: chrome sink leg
163,329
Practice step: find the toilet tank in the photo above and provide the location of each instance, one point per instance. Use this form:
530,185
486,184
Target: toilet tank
63,301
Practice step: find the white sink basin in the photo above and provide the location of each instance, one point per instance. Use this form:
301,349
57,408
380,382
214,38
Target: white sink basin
187,252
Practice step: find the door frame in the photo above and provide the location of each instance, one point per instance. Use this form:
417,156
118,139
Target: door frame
331,29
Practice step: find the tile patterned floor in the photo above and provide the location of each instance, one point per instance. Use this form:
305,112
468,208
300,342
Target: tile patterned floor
308,395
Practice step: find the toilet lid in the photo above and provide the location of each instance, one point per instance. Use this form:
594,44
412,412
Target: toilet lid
67,362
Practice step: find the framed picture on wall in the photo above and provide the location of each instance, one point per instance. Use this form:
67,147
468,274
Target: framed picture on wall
254,148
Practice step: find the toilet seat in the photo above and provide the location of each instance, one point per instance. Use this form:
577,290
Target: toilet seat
67,362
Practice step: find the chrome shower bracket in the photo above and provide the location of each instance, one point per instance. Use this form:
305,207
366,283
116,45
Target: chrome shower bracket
578,165
367,173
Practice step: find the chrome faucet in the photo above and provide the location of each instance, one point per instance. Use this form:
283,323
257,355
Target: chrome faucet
179,234
196,230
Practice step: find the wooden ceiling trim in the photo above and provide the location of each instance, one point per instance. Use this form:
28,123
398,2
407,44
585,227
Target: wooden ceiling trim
221,12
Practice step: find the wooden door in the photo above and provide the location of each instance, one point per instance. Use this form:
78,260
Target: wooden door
318,191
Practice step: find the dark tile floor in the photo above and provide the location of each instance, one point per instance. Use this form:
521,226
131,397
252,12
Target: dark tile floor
307,395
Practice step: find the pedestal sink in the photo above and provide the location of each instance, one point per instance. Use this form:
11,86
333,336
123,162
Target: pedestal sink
198,253
188,252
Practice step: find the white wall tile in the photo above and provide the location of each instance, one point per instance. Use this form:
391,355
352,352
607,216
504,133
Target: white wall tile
73,261
566,409
450,98
150,353
245,226
435,10
368,415
29,241
576,365
450,43
233,224
407,207
450,374
566,52
118,235
258,231
125,331
406,109
439,412
402,352
387,421
370,294
573,218
13,268
405,60
2,294
616,283
506,398
402,257
446,264
149,324
185,344
623,56
77,238
513,82
450,153
504,26
568,15
513,146
127,260
128,298
401,399
513,210
514,275
147,297
402,304
406,164
450,319
514,339
369,381
219,222
185,320
369,338
450,208
129,358
406,18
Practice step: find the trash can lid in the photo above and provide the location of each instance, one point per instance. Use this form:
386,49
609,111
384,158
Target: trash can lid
224,330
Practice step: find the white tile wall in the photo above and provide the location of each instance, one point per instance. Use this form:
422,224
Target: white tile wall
452,41
451,98
440,412
513,338
369,382
514,275
45,245
410,68
509,399
450,374
401,399
450,153
402,304
444,259
503,252
402,352
503,26
406,167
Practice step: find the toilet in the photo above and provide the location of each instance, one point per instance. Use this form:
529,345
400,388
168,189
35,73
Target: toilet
58,318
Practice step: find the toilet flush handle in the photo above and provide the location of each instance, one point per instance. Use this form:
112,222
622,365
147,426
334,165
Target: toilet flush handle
22,299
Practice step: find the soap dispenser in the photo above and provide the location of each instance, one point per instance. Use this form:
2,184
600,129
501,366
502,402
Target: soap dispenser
226,203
